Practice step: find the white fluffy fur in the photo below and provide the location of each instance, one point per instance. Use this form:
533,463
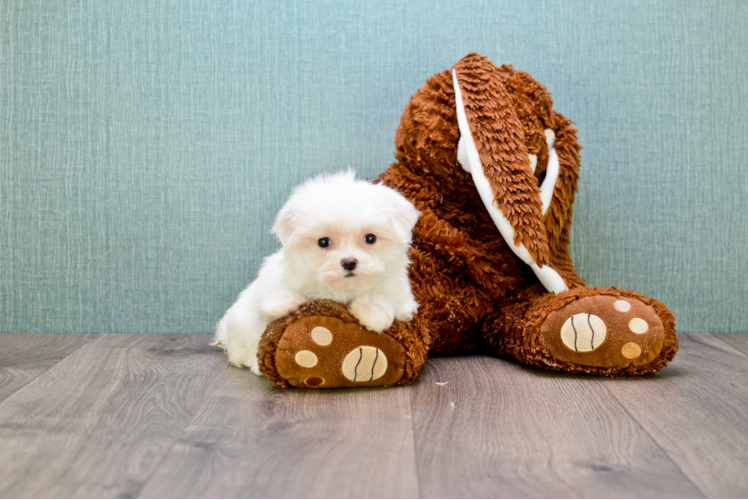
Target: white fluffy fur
345,210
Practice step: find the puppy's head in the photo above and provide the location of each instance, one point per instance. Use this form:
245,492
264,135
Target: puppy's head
346,232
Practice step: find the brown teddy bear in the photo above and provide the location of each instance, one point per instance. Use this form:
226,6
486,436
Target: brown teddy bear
493,170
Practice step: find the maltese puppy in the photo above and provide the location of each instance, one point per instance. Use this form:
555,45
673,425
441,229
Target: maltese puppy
343,239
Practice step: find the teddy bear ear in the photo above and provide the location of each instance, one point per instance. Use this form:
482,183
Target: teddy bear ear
492,148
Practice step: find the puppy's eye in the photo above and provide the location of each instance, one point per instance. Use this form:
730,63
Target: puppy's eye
324,242
370,239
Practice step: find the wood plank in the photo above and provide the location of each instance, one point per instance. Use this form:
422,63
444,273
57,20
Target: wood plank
25,356
98,422
697,411
252,439
499,429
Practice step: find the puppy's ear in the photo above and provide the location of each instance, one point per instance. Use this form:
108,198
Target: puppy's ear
284,224
405,216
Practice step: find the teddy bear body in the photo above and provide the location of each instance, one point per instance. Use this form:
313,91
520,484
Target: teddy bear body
478,284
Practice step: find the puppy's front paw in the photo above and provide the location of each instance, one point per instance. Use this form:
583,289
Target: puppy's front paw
253,366
277,306
407,310
374,316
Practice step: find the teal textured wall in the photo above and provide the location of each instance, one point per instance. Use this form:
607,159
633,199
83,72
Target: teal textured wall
146,145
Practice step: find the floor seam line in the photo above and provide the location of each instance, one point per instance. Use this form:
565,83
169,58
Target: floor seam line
718,338
411,396
93,336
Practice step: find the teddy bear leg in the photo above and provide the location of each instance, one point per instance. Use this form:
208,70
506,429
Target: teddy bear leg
596,331
321,345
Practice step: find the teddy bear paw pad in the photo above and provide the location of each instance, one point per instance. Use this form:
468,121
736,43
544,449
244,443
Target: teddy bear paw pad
326,352
366,363
603,331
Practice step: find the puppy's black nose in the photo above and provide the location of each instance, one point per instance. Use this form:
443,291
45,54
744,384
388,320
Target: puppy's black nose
349,264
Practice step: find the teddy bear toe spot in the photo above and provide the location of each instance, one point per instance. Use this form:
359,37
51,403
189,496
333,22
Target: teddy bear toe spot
307,359
583,332
364,364
321,336
638,326
631,350
314,381
622,306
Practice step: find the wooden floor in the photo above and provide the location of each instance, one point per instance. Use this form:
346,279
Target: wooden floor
164,416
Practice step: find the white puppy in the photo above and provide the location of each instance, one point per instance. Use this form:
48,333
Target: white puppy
343,239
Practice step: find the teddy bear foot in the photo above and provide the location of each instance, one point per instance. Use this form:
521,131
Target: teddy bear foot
607,332
323,346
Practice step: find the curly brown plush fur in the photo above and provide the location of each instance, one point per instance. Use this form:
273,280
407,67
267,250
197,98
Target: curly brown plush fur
475,294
